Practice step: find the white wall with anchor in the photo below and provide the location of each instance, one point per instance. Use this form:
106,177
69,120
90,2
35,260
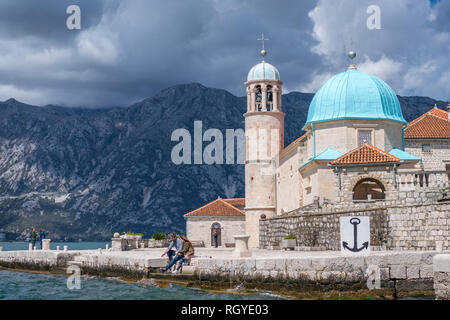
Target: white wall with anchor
355,235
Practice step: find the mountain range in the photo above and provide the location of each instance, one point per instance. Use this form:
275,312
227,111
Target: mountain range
87,173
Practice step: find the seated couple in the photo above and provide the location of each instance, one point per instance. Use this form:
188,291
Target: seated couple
180,249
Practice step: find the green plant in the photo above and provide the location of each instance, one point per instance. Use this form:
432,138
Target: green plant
132,234
159,236
290,237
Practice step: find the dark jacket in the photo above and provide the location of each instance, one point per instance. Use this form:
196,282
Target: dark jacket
188,249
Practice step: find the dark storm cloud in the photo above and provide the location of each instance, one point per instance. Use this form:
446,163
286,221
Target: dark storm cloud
128,50
409,52
44,18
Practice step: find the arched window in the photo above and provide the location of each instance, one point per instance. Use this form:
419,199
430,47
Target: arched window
258,98
216,235
368,188
269,98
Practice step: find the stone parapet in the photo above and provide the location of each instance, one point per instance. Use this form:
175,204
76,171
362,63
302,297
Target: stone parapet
36,259
399,271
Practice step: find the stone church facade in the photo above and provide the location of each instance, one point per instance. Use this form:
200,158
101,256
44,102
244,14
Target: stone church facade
357,148
225,217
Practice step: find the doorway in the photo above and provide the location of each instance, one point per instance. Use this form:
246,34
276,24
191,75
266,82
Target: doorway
366,187
216,235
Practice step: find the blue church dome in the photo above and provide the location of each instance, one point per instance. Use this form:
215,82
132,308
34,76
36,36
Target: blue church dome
263,71
354,95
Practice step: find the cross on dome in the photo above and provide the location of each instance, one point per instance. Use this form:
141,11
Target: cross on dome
351,55
263,51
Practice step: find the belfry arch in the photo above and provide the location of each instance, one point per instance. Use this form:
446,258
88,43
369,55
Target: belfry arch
369,188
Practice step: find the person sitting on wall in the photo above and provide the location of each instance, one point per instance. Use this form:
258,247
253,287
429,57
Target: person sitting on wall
175,245
182,255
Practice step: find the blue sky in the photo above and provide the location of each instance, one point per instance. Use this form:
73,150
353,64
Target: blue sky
128,50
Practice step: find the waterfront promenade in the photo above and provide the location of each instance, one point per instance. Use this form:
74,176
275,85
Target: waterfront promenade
393,271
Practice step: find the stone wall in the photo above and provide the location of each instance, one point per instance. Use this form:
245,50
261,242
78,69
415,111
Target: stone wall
419,227
319,230
199,228
434,159
441,267
398,271
393,227
288,195
37,259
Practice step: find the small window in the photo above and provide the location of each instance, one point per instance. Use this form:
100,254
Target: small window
364,136
426,147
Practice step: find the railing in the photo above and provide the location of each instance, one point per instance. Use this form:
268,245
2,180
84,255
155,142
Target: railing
414,180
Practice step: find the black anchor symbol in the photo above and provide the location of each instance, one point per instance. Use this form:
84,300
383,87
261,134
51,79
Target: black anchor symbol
355,222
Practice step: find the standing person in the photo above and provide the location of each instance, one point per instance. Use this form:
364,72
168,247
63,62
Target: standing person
175,245
42,235
34,236
186,253
215,237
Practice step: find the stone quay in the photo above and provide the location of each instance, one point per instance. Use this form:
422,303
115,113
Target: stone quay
385,272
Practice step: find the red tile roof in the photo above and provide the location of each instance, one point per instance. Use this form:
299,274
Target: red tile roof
434,112
220,207
300,138
236,202
365,154
434,124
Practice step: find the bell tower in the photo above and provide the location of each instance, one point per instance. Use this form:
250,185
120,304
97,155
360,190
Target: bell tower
264,130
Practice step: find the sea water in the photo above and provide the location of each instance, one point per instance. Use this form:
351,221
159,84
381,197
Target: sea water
39,286
34,286
12,246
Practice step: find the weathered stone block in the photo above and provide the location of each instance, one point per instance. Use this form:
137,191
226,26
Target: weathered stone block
397,272
301,264
384,274
413,272
404,258
378,260
307,275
